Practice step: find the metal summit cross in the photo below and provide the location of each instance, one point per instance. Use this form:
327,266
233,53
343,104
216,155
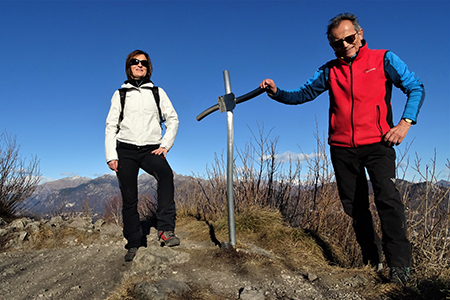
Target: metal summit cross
227,103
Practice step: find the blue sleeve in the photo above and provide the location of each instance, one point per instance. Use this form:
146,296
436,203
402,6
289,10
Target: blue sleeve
405,80
308,91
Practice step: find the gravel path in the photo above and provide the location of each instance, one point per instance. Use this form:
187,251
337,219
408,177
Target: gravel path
79,272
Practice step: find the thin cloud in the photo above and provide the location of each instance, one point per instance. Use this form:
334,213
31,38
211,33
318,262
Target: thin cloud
289,156
46,179
68,174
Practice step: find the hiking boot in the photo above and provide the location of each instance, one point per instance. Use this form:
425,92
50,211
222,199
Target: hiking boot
399,275
168,238
378,268
131,254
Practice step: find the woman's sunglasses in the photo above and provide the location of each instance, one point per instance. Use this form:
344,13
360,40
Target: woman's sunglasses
135,62
340,43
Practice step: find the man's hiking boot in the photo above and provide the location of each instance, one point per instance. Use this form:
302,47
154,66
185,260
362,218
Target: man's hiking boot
168,238
399,275
378,268
131,254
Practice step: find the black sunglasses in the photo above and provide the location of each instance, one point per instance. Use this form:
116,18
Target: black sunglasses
348,39
136,61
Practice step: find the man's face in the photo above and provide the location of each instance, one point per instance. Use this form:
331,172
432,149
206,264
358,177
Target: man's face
345,40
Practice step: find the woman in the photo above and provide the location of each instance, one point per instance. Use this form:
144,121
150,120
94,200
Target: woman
134,140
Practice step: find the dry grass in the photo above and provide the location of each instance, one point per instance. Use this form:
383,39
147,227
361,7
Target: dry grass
307,210
126,290
266,228
56,237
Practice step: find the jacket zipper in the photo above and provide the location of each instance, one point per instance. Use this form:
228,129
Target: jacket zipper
353,104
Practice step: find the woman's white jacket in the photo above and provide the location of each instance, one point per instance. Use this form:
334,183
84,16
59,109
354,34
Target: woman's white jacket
140,125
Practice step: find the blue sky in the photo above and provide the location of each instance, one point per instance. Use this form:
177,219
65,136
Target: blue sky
61,61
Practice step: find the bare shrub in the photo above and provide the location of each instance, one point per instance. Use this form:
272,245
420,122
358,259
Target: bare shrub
88,207
311,201
209,200
18,178
147,208
428,213
187,199
113,210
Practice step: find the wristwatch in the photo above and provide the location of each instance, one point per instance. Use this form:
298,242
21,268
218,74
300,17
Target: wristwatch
408,120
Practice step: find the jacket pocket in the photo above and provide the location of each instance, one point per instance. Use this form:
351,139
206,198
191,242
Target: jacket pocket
379,121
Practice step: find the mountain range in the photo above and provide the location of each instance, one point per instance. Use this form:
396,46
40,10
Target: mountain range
76,194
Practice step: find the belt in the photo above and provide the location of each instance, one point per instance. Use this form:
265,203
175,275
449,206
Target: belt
122,145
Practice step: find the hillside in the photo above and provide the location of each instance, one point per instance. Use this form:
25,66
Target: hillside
86,262
282,252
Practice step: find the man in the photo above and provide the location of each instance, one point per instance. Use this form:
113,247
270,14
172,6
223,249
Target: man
362,136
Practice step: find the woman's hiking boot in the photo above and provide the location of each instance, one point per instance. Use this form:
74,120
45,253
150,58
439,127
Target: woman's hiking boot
168,238
131,254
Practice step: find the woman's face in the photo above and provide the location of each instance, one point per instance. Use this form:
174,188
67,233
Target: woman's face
139,71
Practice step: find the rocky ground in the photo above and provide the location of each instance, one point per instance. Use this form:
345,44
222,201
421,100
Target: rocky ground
94,268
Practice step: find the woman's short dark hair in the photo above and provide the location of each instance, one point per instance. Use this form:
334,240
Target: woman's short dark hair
128,66
336,21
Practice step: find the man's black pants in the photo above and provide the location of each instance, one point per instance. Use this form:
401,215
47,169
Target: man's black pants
349,167
131,159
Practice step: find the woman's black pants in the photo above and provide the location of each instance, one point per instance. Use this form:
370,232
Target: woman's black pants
350,165
131,159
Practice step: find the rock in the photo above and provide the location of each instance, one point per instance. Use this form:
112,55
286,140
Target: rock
3,232
17,240
109,231
311,276
19,223
355,281
161,290
56,221
98,224
147,291
83,224
33,227
22,236
173,286
250,293
154,255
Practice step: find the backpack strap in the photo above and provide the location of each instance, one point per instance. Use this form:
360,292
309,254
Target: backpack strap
155,91
123,94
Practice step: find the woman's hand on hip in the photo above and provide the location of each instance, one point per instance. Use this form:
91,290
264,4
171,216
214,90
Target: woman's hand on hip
160,150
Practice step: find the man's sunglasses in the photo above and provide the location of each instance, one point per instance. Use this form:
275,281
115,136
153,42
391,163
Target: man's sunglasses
135,62
340,43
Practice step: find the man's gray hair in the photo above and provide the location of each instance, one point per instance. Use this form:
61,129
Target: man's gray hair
336,21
